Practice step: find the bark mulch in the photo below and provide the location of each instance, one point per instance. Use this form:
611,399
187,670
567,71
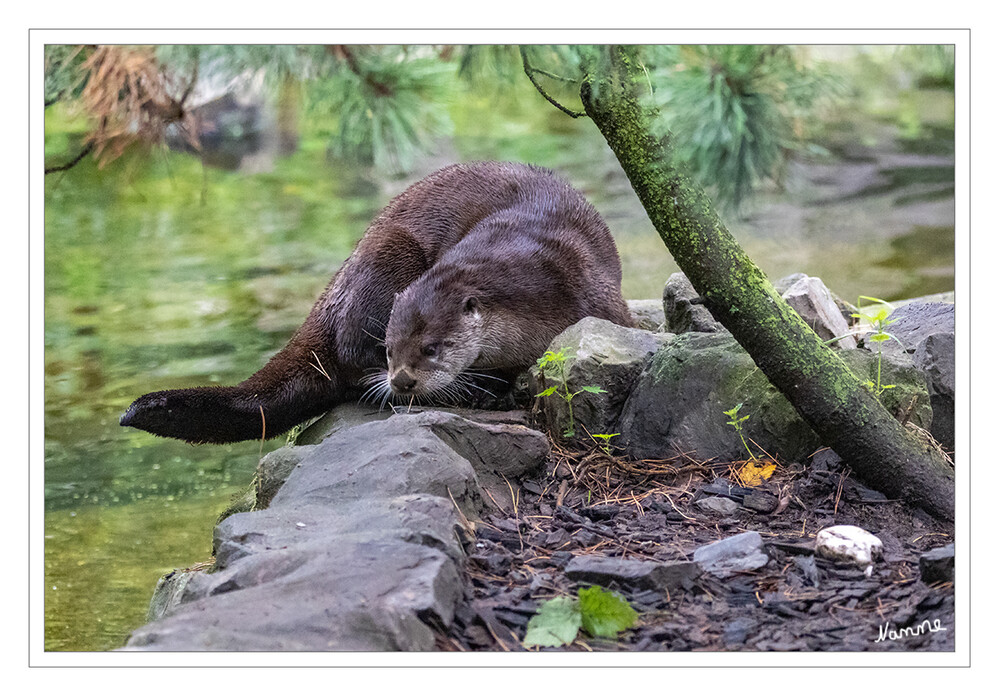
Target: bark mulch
593,503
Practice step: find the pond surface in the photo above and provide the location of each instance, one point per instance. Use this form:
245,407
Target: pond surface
161,274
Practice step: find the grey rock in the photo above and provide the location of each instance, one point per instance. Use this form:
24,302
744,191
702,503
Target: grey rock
811,299
846,310
169,592
342,417
740,553
368,596
910,393
271,473
505,448
381,459
638,574
937,565
354,577
648,314
935,357
946,297
678,402
602,354
761,501
926,332
718,504
498,451
683,310
273,470
751,498
782,285
414,518
360,549
915,321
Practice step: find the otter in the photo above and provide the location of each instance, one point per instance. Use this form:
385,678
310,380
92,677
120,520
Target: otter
465,276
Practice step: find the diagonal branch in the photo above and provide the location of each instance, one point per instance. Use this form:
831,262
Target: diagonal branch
819,385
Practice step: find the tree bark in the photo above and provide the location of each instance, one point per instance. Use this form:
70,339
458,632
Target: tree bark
813,378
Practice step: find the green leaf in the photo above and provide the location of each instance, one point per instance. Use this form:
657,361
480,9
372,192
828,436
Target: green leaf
556,623
604,613
548,392
593,390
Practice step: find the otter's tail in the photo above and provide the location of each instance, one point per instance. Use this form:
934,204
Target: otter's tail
288,390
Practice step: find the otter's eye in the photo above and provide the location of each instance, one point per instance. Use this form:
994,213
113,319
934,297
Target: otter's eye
431,349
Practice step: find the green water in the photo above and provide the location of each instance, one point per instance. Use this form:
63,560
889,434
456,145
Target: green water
162,274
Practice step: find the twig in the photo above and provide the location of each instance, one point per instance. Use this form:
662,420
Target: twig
531,72
839,488
563,487
464,520
73,162
319,366
513,496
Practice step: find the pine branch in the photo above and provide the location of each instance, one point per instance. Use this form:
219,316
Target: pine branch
531,72
73,162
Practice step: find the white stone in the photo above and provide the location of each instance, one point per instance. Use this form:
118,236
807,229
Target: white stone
849,544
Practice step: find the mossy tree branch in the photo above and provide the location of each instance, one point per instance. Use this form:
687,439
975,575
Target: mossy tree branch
814,379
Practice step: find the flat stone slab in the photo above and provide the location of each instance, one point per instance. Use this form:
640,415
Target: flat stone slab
740,553
360,549
937,565
643,575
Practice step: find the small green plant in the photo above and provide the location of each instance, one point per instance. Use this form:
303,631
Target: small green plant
736,422
879,321
603,439
599,612
552,365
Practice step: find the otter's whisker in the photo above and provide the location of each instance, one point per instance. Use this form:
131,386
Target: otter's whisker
485,375
386,399
379,341
376,321
378,374
481,388
452,392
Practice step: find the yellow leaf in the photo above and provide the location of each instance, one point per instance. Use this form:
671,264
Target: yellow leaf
756,471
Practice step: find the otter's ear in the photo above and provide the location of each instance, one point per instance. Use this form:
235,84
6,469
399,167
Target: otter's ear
470,304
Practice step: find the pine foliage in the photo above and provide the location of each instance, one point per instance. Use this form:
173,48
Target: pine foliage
734,110
389,103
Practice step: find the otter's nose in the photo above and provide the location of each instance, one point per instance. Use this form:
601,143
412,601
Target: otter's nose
403,382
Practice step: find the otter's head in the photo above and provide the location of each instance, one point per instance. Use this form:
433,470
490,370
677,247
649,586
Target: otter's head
431,339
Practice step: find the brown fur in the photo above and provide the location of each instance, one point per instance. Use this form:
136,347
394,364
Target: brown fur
492,258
